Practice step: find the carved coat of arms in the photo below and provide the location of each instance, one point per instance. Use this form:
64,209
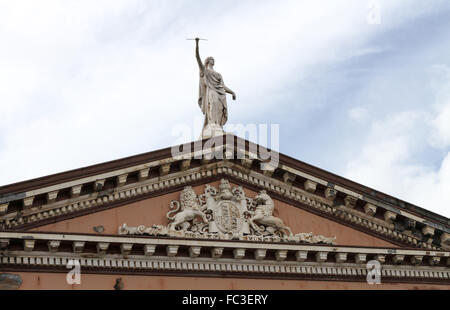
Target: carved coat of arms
225,213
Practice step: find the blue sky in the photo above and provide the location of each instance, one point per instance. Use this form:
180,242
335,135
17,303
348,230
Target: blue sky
83,82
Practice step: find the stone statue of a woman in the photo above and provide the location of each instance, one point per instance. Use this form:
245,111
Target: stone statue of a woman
212,97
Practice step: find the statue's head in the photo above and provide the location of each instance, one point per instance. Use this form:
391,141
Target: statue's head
209,61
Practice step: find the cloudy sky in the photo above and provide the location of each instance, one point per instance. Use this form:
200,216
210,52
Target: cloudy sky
361,94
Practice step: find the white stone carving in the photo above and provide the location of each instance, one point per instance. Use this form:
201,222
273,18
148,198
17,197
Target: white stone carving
194,251
301,256
310,186
260,254
263,215
239,253
149,249
280,255
360,258
225,214
216,252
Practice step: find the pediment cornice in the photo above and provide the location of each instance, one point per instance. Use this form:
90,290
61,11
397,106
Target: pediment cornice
148,178
39,251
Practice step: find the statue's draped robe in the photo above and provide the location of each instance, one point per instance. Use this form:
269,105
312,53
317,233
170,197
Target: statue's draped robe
212,98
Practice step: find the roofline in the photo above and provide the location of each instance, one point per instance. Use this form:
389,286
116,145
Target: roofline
125,162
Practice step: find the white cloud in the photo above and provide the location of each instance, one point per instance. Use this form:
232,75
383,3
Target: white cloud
359,114
387,160
440,81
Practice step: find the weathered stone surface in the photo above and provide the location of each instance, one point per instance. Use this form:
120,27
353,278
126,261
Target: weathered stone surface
340,257
370,209
350,201
4,208
330,193
398,259
239,253
281,255
321,256
194,251
390,217
360,258
301,256
288,178
310,186
260,254
172,250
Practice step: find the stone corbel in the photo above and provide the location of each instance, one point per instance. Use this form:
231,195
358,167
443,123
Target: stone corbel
350,201
28,202
428,231
268,169
389,217
98,185
239,253
125,248
260,254
310,186
434,260
4,243
330,193
370,209
53,246
164,169
194,251
321,256
51,196
4,208
216,252
246,162
410,224
28,245
360,258
185,164
340,257
288,178
301,256
280,255
143,174
121,179
102,247
416,259
149,249
75,190
445,239
78,246
398,259
172,250
381,258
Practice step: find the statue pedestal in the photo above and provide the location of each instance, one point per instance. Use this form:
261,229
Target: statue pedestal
212,130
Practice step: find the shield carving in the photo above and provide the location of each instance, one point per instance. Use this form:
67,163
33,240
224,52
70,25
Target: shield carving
228,217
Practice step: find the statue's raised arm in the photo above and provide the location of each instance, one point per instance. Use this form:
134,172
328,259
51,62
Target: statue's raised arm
197,55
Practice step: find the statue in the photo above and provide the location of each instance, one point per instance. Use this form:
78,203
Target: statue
212,97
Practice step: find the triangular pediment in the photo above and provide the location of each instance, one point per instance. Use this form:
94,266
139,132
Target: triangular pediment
138,191
153,212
